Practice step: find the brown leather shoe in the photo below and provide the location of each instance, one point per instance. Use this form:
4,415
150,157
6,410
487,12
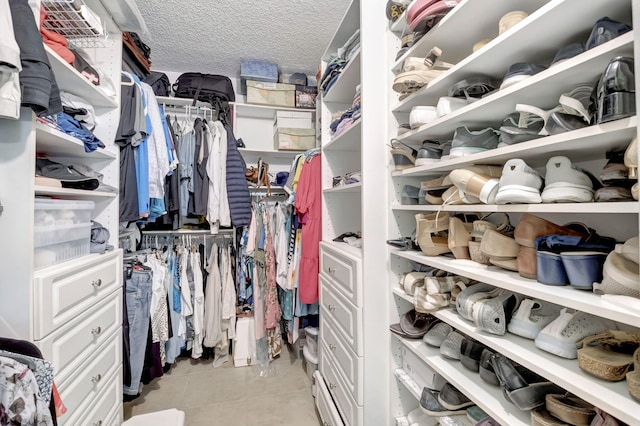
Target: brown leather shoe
526,262
530,227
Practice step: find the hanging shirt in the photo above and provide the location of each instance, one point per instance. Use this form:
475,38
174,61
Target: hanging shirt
218,204
198,306
159,165
158,306
213,302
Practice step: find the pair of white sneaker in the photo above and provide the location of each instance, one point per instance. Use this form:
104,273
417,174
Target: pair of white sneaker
563,182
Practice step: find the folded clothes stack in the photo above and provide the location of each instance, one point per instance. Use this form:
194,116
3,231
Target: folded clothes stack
74,176
342,120
338,61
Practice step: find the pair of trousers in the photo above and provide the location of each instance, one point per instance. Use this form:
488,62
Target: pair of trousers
138,295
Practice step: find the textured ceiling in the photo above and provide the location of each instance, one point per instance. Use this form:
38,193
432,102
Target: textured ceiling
213,36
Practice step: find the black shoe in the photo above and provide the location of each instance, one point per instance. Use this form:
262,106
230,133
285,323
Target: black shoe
614,95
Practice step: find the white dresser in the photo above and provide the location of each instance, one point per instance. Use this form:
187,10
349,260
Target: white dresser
341,337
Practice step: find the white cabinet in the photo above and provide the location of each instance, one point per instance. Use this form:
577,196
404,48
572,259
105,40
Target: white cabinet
536,39
341,332
73,310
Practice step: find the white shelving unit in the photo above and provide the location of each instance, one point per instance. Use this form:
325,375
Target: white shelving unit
536,39
350,285
59,306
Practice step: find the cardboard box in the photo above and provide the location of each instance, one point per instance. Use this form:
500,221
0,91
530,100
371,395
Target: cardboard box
274,94
290,139
257,71
294,119
306,96
420,371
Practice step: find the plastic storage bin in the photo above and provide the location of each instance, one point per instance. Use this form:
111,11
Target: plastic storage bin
288,139
274,94
62,230
257,71
306,96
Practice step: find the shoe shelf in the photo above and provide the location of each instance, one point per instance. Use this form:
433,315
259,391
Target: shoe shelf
53,142
581,144
456,48
344,88
562,295
352,188
542,90
631,207
416,392
349,140
487,397
70,80
612,397
535,39
73,194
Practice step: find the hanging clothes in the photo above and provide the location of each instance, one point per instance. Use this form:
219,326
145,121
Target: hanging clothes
308,204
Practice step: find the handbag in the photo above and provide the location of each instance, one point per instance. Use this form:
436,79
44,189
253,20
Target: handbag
259,175
204,87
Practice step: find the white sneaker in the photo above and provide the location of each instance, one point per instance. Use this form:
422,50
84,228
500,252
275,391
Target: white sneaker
561,336
532,316
447,105
565,183
519,184
421,115
620,276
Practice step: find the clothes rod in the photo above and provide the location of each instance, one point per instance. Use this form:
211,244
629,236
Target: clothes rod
189,232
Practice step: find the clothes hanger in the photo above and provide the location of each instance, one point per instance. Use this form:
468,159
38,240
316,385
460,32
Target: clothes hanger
127,83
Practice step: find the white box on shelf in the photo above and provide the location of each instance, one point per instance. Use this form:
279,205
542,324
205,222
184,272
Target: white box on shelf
294,119
420,371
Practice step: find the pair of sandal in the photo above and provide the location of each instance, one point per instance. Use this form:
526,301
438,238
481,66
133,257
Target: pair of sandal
530,122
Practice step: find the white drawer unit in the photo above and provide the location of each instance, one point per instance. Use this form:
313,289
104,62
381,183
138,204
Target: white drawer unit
349,364
70,345
79,391
344,271
65,292
352,413
325,405
346,317
105,410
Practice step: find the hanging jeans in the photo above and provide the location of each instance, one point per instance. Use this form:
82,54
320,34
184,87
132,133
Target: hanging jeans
138,294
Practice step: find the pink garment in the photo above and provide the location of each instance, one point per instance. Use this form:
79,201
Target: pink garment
308,203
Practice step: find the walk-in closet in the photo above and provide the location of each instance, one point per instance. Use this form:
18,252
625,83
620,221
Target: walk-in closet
338,213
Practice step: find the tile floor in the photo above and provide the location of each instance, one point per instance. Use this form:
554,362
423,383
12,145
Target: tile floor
231,396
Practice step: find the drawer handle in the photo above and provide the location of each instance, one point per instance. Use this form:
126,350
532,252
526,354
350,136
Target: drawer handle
332,308
332,346
97,283
95,379
332,386
96,331
98,423
331,269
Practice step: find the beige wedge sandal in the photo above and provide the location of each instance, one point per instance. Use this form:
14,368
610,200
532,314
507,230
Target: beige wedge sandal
431,233
609,355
